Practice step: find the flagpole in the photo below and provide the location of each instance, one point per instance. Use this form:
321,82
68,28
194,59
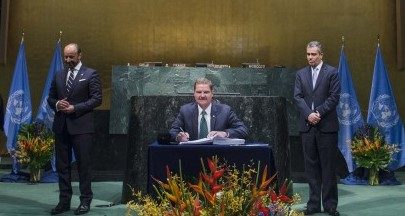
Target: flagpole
378,40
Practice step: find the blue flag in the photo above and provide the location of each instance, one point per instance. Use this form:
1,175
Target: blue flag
45,113
383,112
348,110
19,109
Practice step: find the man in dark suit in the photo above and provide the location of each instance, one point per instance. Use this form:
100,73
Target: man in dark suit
316,94
74,93
206,118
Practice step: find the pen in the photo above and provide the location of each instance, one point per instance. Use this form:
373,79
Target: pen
181,129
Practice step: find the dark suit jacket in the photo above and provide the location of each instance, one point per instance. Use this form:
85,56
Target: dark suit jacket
1,113
222,119
325,95
86,94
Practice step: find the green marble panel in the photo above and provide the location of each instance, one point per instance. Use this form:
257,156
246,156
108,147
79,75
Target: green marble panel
130,81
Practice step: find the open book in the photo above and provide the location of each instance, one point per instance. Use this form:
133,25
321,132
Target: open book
215,141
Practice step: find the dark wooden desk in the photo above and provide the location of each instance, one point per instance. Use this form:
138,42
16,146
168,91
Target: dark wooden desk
161,155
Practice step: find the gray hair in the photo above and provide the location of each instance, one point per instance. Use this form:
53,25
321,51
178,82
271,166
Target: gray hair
316,44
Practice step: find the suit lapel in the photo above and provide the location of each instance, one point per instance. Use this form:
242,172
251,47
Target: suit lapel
195,121
63,80
309,77
214,111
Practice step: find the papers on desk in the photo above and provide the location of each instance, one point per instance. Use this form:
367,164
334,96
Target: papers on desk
203,141
215,141
228,141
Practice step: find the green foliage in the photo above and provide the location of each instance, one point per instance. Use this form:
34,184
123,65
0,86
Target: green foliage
35,145
370,150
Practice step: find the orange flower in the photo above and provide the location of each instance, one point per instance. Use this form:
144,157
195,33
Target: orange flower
264,185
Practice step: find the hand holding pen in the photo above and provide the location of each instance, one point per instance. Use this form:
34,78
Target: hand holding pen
182,136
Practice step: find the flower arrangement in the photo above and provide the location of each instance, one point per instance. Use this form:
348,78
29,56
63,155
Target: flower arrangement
35,145
219,190
370,151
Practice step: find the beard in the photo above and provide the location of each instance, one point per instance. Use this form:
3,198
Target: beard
70,64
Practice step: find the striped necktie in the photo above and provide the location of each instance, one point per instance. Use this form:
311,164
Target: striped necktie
69,83
203,126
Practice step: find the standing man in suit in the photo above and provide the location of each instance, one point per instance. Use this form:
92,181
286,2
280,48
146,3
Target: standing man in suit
316,93
206,118
74,93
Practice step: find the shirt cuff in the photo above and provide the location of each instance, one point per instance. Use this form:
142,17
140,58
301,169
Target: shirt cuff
56,106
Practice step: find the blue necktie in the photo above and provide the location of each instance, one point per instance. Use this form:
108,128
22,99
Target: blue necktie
69,83
203,126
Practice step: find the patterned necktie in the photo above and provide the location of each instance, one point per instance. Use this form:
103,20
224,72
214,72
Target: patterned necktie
203,126
69,83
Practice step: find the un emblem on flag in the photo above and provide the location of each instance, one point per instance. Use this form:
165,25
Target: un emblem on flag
347,110
19,112
384,111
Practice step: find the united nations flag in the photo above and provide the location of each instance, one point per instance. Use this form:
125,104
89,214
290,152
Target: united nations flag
348,110
19,110
45,113
383,112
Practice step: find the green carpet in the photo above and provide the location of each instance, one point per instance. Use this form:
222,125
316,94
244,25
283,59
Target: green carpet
39,199
359,200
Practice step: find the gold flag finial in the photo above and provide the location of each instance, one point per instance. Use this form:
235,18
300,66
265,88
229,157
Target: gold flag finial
60,35
343,41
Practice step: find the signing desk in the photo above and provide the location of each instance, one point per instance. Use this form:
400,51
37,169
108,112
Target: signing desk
264,116
190,155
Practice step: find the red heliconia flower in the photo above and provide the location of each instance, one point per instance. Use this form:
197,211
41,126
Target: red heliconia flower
216,188
212,164
282,196
208,179
217,174
273,196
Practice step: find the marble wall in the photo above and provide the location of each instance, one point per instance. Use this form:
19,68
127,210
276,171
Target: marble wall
128,81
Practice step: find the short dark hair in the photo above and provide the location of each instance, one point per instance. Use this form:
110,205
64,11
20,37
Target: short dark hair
204,80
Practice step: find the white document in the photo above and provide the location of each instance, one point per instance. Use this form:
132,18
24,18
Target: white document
202,141
215,141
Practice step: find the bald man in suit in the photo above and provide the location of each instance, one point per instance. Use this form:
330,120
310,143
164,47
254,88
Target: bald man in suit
316,93
74,93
